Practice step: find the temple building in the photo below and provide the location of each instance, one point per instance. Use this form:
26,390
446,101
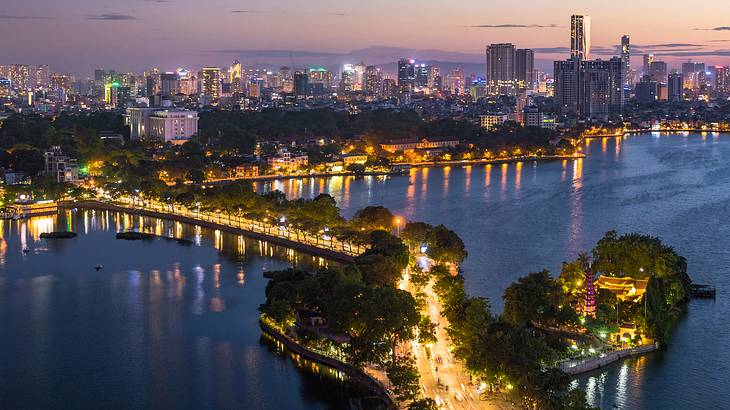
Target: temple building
625,289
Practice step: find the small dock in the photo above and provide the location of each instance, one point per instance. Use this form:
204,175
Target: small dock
703,291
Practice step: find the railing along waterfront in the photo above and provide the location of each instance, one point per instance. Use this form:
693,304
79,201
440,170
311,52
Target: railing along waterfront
267,230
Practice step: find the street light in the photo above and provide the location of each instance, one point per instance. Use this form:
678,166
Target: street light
398,221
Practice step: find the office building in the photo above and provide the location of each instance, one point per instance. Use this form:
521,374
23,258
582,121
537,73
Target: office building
501,68
580,37
722,79
169,84
373,80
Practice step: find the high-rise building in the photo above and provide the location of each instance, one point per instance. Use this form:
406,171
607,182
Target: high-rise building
359,76
421,71
580,37
501,68
675,86
525,69
434,78
626,57
658,71
235,76
455,81
347,79
722,79
210,78
694,75
647,90
169,84
406,75
42,76
301,84
320,79
390,88
589,89
373,80
648,59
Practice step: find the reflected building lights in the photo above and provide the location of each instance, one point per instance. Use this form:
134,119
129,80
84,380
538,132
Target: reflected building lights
467,180
518,176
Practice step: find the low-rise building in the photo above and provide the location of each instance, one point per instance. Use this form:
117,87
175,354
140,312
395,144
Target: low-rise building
491,121
247,171
349,159
175,126
285,161
413,144
60,166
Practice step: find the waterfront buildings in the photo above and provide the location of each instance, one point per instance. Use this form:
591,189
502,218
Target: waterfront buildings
591,88
524,69
413,144
286,161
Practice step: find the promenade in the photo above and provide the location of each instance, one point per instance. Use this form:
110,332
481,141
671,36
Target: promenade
281,234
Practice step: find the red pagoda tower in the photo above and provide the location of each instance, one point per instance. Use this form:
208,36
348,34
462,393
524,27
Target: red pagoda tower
589,309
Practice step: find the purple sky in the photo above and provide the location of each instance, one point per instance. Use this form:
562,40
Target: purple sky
79,35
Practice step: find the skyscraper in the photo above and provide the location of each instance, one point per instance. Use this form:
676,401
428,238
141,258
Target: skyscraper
525,69
301,84
501,68
626,57
211,82
694,75
169,85
406,75
580,37
675,87
373,80
658,71
722,79
648,59
347,79
234,77
589,89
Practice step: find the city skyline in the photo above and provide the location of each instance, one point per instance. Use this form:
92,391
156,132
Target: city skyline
129,37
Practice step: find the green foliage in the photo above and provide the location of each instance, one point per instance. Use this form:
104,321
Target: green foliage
403,374
423,404
536,298
373,218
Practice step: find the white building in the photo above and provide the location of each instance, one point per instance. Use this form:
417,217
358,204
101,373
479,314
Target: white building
286,161
175,126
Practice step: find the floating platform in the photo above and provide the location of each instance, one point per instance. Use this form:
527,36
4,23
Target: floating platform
703,291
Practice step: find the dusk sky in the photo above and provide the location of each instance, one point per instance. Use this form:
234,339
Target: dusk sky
79,35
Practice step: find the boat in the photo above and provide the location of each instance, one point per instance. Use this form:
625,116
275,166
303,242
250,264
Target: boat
26,250
99,267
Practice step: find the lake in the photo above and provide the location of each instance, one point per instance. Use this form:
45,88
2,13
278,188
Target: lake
523,217
162,325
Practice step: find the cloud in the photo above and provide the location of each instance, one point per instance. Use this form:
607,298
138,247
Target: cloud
275,53
670,45
246,11
720,28
112,17
12,17
727,40
156,1
552,50
513,25
698,53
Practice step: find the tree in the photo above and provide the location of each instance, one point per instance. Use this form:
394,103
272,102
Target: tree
423,404
373,218
416,234
403,374
444,245
29,161
536,298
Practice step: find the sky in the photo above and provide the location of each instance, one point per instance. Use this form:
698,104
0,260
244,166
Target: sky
76,36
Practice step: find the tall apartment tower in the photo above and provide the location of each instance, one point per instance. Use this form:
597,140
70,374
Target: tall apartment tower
626,57
648,59
234,77
525,69
675,85
501,68
580,37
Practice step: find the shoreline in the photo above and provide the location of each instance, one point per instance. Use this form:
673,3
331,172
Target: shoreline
267,178
634,132
575,368
321,252
354,374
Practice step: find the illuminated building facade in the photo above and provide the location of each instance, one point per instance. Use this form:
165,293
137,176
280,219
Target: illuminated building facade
580,37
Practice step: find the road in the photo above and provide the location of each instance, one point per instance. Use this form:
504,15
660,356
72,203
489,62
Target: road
443,377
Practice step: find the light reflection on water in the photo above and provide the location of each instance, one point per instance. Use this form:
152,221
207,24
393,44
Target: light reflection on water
675,186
